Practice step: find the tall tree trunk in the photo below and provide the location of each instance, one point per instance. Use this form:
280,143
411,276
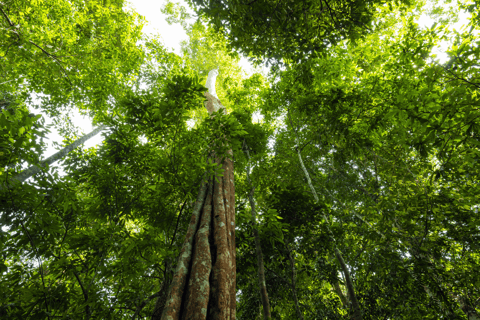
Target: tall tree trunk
294,285
340,294
162,297
33,170
260,266
160,302
357,313
203,285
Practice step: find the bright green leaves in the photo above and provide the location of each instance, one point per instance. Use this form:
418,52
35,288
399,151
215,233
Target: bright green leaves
166,107
207,50
184,90
256,134
180,95
224,133
19,133
291,31
390,140
61,48
176,13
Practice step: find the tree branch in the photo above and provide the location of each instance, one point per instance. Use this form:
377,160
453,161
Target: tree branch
144,303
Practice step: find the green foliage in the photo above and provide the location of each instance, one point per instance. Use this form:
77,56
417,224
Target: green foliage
388,134
291,31
176,13
70,50
19,135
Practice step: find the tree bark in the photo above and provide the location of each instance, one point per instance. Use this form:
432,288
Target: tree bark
173,303
258,249
204,282
357,314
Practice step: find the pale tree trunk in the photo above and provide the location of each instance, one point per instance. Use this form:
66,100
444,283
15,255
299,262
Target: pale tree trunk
260,266
33,170
204,283
357,313
349,284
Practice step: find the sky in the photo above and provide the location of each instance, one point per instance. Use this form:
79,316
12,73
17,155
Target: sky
172,35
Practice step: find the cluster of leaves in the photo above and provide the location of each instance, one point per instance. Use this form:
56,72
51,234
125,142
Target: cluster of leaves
289,31
389,136
69,50
19,134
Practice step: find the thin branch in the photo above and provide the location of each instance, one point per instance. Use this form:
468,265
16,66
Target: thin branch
144,303
8,19
54,58
178,220
40,266
36,45
85,294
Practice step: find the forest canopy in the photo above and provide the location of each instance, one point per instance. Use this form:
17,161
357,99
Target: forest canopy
350,167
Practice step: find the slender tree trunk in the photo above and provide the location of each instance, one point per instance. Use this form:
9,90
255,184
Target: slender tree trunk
340,294
357,314
162,294
258,249
203,285
294,285
160,302
33,170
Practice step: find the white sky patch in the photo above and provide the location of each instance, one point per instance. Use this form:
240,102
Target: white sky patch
172,35
426,22
190,124
257,117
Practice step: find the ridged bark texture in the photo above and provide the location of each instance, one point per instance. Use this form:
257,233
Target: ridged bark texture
173,305
223,289
204,284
